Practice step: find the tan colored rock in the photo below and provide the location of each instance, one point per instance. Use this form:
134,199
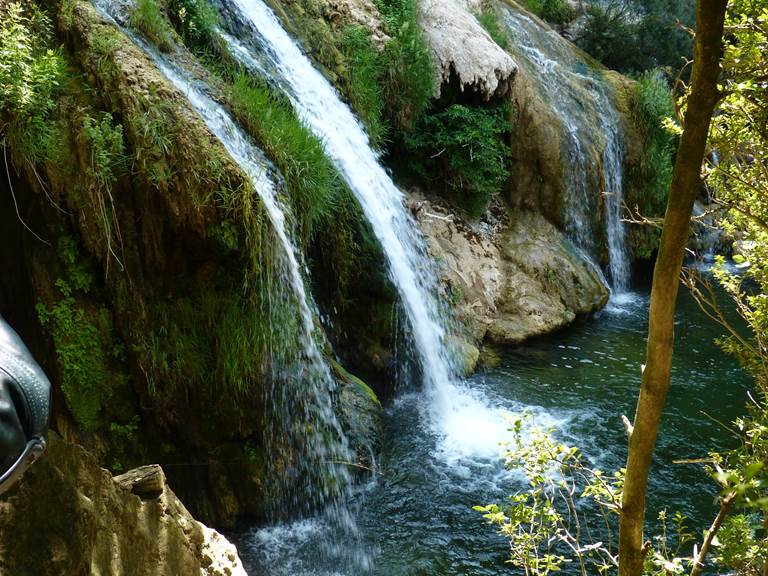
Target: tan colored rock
360,13
509,281
69,517
462,47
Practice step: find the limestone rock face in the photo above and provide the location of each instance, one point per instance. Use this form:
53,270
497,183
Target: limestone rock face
462,47
69,517
509,278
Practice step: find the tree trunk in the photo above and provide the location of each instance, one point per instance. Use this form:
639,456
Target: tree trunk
684,187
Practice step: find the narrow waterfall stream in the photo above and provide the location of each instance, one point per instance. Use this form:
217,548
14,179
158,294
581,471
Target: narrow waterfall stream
325,482
461,417
580,98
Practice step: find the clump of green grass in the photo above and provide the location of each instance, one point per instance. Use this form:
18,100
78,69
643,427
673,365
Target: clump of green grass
463,148
147,17
312,181
365,71
30,77
408,72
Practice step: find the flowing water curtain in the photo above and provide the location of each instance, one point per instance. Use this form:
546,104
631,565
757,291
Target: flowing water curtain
305,437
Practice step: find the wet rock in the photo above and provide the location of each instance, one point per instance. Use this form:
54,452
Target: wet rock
360,412
68,517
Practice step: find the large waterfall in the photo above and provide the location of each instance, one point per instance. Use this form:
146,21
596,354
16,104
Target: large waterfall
456,413
580,98
306,411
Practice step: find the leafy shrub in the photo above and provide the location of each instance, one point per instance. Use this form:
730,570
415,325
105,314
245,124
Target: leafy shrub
30,75
148,18
633,36
195,21
557,11
554,11
610,35
463,146
652,105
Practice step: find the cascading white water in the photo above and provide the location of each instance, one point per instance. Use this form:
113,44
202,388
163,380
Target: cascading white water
581,101
457,414
613,159
326,480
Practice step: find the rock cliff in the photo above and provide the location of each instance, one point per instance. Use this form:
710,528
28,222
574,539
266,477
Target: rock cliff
69,517
509,277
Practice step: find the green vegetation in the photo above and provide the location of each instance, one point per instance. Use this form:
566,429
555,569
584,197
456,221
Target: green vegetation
364,75
223,343
463,147
83,339
549,522
30,77
557,12
104,141
653,108
312,181
195,21
489,19
637,35
388,88
408,73
147,17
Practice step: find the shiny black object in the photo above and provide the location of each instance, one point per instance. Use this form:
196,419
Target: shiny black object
25,403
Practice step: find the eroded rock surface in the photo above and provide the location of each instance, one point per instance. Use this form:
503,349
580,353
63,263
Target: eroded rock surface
462,47
509,278
69,517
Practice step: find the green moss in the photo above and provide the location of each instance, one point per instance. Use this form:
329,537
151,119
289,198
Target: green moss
88,351
147,17
463,148
342,374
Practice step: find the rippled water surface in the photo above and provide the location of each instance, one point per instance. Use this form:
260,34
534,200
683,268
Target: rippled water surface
417,517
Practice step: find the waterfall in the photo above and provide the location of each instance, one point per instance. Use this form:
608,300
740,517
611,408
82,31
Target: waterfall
457,414
580,98
306,412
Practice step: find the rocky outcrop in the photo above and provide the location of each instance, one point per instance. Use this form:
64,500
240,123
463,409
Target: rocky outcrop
509,277
461,47
69,517
357,13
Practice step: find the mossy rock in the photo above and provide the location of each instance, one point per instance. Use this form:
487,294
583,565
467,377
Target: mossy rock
360,412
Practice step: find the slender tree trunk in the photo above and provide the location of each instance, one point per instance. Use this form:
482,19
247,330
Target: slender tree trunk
683,189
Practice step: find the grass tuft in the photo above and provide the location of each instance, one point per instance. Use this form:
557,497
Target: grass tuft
147,17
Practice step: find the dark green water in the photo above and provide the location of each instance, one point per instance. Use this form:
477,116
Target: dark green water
416,518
